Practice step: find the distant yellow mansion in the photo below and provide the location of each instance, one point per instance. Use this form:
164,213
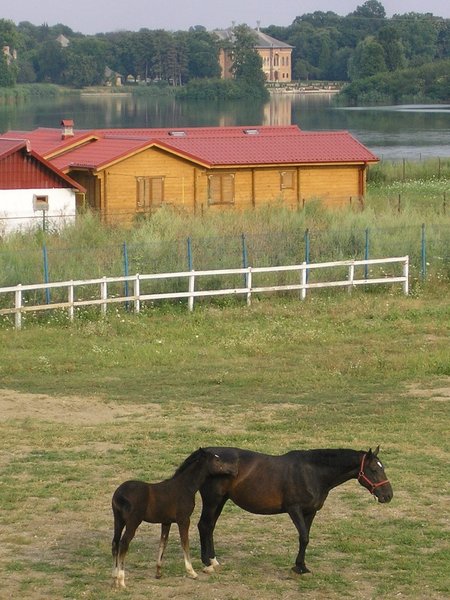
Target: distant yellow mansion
275,55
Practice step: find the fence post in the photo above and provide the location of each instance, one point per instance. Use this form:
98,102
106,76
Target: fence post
191,291
104,295
244,258
125,271
189,254
423,254
304,281
306,252
248,277
351,276
18,304
366,254
137,294
70,299
406,276
46,277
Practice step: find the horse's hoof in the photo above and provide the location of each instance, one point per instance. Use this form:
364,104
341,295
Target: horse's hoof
300,570
209,569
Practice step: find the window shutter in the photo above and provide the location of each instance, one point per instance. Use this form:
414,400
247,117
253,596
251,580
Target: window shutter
227,188
157,190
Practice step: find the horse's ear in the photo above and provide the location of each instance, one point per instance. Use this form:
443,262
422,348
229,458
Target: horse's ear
369,453
377,449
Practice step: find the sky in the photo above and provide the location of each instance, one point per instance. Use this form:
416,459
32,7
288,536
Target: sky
101,16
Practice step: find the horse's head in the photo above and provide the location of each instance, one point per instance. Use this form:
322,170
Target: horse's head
219,465
372,476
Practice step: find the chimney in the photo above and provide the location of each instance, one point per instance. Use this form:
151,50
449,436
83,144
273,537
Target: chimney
67,128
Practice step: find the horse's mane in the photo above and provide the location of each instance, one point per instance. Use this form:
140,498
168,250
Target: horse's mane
191,459
333,457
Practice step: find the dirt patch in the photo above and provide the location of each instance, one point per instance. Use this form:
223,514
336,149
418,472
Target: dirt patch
69,409
440,393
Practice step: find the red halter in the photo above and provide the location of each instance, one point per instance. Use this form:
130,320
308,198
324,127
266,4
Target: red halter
361,475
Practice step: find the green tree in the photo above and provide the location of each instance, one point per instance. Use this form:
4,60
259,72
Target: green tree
7,77
49,62
85,62
247,63
394,55
203,55
371,9
367,60
8,34
419,36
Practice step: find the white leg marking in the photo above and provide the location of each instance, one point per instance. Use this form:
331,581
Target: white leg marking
120,581
213,564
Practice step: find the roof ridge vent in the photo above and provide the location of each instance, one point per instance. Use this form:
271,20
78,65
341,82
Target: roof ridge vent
177,133
251,131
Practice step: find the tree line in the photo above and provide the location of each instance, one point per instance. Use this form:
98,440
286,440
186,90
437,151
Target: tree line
326,46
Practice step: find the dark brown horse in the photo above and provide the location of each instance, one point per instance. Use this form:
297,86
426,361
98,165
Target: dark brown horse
167,502
296,483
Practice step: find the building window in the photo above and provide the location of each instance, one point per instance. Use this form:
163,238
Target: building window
40,202
149,192
221,188
287,180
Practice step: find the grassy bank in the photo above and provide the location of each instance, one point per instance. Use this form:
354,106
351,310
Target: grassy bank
30,92
87,406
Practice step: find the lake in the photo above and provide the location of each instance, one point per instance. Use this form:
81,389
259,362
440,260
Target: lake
412,132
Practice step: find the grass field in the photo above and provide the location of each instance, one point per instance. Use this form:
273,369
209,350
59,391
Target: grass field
85,406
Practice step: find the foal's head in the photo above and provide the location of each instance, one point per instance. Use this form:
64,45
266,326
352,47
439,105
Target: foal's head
212,463
372,476
219,465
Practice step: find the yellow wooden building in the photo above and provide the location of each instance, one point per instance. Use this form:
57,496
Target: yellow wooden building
127,172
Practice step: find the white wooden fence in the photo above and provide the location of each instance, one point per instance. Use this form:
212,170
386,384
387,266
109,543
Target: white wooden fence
135,296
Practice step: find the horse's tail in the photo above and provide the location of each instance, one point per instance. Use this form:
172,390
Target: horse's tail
120,503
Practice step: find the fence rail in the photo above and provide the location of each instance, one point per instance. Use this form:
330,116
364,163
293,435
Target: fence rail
136,296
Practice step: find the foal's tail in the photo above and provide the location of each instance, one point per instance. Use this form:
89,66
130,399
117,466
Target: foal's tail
120,503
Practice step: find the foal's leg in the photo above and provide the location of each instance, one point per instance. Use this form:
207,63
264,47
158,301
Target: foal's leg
119,524
124,543
183,527
303,524
210,513
165,528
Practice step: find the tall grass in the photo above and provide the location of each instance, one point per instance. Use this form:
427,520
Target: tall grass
388,171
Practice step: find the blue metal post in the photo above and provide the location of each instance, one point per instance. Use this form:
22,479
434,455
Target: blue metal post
366,255
424,254
125,270
46,277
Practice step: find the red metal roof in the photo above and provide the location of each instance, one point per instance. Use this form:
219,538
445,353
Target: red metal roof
209,146
22,168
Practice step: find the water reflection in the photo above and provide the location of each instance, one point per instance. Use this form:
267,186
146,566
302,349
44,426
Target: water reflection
408,131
